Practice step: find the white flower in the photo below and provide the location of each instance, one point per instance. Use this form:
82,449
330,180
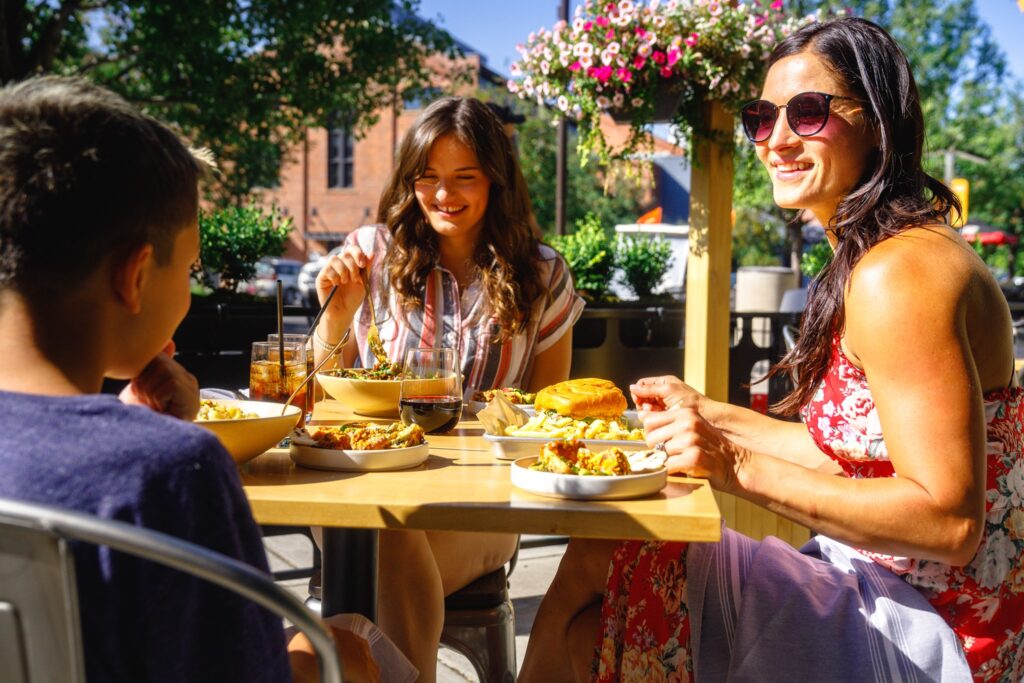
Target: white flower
637,101
644,50
613,47
586,61
824,425
659,21
994,560
545,68
548,54
654,4
618,99
563,103
577,23
540,100
607,58
563,59
603,102
512,86
933,576
744,51
583,50
621,61
626,7
1015,484
516,69
579,11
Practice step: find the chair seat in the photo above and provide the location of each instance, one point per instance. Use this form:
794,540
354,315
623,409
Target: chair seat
487,592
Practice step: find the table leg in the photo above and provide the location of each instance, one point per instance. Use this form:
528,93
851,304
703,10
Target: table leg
349,572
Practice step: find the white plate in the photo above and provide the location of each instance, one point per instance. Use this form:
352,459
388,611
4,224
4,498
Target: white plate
515,447
383,460
475,407
579,487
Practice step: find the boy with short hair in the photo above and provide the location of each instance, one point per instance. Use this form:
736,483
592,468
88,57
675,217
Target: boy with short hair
98,231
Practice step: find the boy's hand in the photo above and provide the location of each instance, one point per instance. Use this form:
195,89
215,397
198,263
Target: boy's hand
164,386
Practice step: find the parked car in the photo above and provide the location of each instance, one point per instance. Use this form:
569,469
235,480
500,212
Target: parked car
268,272
308,274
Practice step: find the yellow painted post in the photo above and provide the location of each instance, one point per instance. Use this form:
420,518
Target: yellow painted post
708,282
706,366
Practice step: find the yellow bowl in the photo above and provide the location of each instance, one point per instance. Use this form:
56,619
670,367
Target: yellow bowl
245,438
370,397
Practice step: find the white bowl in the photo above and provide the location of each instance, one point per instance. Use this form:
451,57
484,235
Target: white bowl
247,437
591,487
383,460
370,397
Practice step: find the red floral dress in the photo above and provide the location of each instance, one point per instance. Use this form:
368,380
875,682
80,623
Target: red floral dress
645,625
984,601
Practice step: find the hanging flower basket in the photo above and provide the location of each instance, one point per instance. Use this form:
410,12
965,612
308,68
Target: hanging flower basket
643,63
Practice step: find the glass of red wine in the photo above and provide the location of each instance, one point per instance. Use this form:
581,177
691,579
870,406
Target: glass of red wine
431,392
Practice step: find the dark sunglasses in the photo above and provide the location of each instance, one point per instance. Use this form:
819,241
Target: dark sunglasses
806,113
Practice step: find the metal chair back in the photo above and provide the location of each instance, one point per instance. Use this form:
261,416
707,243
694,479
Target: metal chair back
40,629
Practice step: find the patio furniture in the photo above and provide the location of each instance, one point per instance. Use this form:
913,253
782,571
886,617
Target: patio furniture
40,630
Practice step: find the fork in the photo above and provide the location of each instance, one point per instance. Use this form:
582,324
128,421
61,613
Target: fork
373,334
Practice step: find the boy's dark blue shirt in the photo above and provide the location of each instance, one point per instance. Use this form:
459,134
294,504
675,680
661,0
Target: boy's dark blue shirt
141,621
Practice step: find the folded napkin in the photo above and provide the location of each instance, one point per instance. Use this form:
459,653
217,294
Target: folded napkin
500,414
394,666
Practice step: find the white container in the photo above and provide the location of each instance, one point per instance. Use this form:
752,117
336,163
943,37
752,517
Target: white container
577,487
760,288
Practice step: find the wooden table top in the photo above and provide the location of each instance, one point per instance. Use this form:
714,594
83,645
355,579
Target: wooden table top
463,487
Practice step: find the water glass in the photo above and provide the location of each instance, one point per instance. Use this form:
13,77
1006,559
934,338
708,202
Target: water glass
431,390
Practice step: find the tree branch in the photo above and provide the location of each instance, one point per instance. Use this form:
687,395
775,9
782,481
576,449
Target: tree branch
45,50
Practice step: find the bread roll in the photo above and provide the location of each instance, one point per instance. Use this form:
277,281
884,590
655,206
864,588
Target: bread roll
580,398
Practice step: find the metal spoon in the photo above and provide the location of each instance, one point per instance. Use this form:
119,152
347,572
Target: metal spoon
373,334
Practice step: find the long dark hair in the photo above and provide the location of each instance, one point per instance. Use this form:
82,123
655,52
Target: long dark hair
506,255
894,194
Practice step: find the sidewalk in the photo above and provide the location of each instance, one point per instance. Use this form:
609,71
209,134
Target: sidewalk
533,573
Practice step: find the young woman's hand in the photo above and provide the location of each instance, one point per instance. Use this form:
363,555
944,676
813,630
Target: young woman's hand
346,270
164,386
694,447
665,393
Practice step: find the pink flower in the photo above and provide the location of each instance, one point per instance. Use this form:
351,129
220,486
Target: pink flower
638,62
665,71
625,75
603,21
659,57
640,32
603,73
673,56
759,21
692,40
777,5
588,25
575,66
610,35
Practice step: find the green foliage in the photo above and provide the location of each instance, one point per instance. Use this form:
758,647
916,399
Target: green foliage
758,237
590,253
643,261
998,257
244,79
584,188
233,239
816,258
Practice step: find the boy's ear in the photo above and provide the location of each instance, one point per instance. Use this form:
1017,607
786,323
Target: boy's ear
131,272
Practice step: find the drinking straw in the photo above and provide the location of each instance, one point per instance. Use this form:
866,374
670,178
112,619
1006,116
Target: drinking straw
320,313
280,334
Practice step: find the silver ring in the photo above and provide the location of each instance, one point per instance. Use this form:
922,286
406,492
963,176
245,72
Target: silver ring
660,446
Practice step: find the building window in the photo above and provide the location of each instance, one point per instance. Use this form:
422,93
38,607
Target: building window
340,154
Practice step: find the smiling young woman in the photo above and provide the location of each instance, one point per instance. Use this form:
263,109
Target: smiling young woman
905,365
453,262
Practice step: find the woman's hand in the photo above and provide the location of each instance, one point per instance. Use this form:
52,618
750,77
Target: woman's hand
694,447
345,270
164,386
665,393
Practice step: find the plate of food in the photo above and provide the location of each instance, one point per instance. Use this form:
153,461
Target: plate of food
590,410
360,447
372,392
517,397
569,469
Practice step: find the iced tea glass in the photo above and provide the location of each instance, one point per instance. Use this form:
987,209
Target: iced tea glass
269,379
431,390
311,393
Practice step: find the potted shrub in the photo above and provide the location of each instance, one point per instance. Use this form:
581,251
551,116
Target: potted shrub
643,63
590,254
643,262
233,239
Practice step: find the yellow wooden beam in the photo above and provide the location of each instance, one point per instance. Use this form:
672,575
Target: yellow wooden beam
708,267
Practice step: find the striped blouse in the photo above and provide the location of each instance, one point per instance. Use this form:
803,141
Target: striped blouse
463,321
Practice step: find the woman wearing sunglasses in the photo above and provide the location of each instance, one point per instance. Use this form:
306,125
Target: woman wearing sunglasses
908,464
